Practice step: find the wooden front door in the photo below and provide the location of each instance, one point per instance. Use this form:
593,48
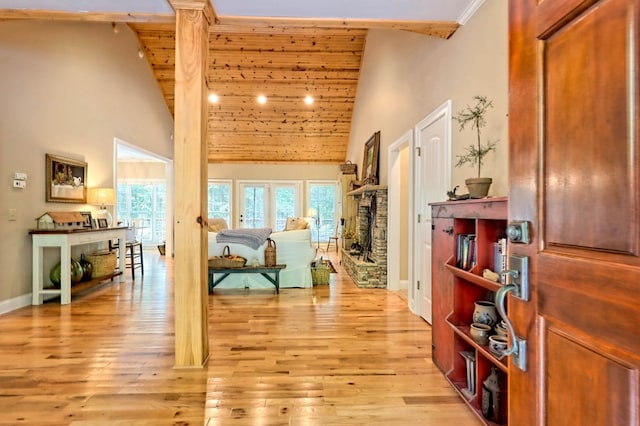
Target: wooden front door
574,177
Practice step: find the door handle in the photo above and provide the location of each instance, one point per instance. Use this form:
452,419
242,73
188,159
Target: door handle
518,347
518,274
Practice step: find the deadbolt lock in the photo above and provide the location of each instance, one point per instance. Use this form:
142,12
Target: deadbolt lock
518,232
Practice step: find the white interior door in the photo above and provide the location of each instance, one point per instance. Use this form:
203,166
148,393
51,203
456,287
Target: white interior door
432,180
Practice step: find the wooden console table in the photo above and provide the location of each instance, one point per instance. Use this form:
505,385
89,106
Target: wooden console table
262,270
64,239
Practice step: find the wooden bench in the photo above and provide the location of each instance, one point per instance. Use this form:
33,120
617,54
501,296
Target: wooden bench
262,270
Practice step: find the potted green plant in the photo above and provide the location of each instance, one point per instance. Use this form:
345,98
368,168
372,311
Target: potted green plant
476,116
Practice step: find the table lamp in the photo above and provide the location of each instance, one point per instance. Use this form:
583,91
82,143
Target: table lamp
102,197
313,213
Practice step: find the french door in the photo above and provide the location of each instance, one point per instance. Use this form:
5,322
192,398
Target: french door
268,204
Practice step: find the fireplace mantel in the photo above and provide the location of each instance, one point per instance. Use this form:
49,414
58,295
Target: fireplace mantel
367,188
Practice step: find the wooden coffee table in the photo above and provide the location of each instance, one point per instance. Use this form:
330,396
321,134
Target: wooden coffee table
262,270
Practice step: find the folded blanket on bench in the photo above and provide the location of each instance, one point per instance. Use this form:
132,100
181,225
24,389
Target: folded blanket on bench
251,237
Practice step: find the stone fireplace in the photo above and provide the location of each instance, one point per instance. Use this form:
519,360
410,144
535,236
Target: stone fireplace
369,269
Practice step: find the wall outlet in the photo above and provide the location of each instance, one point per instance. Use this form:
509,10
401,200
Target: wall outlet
19,184
13,214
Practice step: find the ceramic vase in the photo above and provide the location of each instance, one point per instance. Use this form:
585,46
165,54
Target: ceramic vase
485,312
480,333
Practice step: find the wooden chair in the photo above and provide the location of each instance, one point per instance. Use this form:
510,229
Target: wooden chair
335,238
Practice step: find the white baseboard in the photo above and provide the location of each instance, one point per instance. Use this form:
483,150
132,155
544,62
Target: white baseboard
403,284
15,303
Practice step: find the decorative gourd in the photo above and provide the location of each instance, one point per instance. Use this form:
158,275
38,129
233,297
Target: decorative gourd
87,268
75,270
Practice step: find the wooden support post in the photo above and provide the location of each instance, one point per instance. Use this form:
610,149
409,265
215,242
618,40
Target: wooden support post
190,151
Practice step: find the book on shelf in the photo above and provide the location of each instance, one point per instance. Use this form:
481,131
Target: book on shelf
466,251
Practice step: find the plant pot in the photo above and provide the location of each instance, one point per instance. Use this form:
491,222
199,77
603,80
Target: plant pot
346,243
478,187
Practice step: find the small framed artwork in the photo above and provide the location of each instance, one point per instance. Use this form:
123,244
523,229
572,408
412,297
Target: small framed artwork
88,220
102,223
65,180
370,161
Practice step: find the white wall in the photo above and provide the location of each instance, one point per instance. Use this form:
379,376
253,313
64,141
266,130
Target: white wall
274,171
405,76
142,170
68,89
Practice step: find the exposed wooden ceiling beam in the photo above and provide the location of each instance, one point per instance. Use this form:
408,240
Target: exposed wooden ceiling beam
441,29
57,15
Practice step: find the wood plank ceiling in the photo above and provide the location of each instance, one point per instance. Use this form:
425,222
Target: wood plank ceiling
284,64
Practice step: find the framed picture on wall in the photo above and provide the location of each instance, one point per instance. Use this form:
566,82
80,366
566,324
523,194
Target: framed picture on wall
370,161
65,180
102,223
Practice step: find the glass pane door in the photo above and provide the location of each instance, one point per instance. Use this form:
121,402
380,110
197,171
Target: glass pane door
322,198
253,206
285,204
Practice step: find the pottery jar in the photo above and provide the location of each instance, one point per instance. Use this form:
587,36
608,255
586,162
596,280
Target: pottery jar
497,345
485,312
480,333
501,329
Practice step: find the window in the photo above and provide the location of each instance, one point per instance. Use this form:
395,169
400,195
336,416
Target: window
219,200
143,204
322,198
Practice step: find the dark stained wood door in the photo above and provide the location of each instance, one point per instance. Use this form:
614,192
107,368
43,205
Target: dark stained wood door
574,177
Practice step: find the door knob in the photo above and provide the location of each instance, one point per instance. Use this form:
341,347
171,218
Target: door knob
518,232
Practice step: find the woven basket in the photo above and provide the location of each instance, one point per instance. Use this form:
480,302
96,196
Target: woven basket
348,168
320,275
103,263
227,260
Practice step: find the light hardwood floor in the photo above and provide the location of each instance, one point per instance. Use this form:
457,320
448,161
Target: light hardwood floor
331,355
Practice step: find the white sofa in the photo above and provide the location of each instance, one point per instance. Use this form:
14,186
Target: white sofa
293,248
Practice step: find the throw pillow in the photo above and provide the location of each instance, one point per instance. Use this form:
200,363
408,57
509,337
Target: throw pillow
296,224
217,224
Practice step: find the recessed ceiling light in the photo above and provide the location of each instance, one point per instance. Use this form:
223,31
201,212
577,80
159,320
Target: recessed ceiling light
213,98
308,100
262,99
